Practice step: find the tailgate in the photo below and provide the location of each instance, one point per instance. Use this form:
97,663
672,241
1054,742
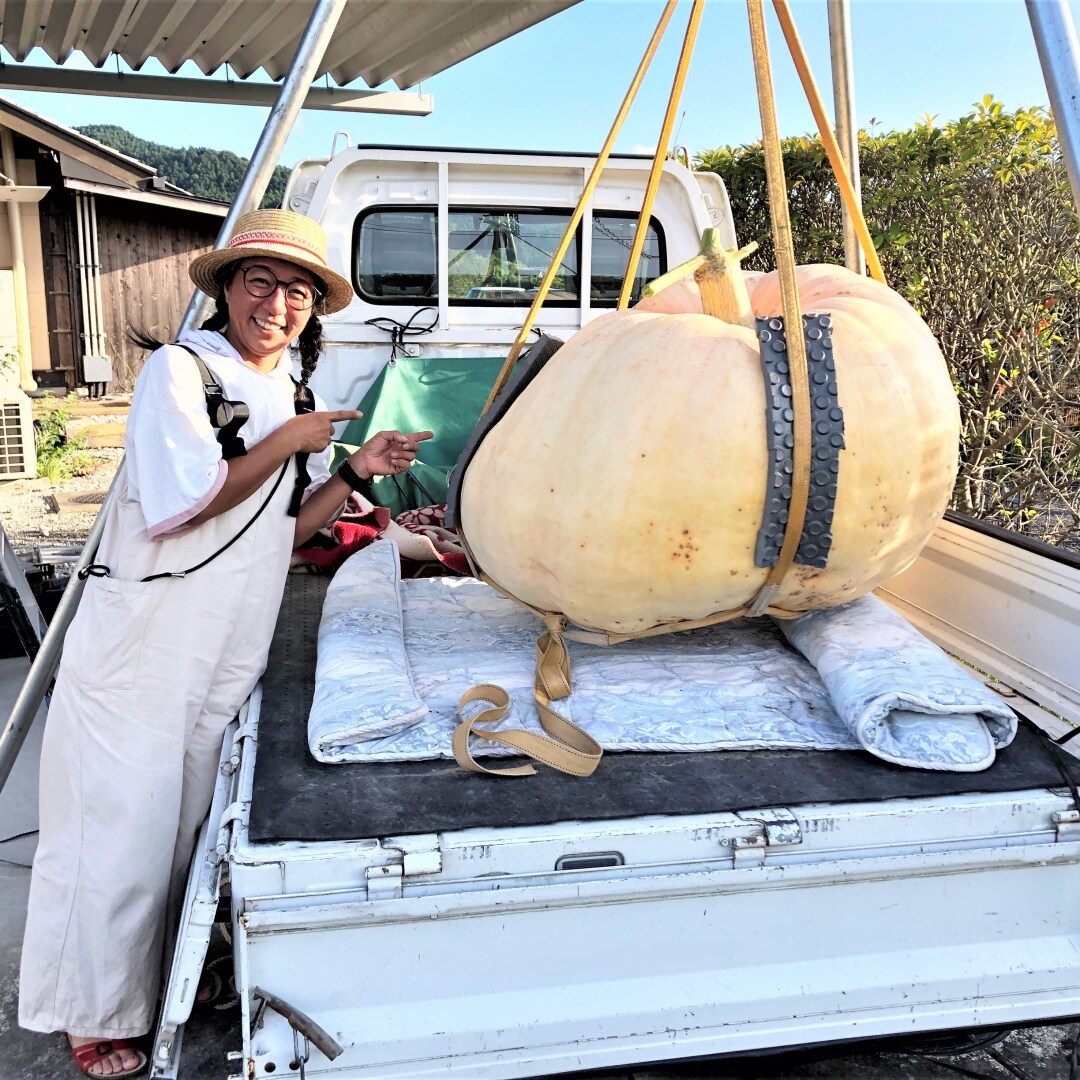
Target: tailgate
535,950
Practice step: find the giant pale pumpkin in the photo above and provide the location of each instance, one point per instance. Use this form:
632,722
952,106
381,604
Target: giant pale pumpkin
625,487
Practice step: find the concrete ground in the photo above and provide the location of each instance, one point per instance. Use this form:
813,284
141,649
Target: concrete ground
1037,1054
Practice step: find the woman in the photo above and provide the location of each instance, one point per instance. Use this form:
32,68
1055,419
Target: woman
157,661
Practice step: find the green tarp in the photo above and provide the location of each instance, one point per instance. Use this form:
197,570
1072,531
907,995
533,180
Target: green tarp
439,394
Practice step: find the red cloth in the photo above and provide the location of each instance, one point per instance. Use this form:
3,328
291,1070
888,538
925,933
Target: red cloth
361,524
430,522
353,530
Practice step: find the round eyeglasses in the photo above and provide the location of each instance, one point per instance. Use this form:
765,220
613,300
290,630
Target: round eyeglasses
261,283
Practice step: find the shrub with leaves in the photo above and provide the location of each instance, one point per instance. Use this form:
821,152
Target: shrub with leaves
59,455
9,364
975,225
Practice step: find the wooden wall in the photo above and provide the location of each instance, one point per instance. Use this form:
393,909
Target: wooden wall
144,252
61,286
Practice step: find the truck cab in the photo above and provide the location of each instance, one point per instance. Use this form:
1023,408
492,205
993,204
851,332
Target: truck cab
459,240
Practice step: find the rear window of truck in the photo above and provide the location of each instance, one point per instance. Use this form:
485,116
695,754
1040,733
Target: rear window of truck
497,256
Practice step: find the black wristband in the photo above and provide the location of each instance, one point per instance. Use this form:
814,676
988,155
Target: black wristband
355,481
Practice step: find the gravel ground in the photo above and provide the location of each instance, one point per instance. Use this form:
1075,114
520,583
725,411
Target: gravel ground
38,513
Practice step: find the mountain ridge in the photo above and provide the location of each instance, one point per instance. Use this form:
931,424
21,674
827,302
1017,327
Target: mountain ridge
210,174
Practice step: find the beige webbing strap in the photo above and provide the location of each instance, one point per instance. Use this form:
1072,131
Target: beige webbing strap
716,617
569,749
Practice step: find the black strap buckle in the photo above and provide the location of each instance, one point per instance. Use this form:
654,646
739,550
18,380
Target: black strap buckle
94,570
226,416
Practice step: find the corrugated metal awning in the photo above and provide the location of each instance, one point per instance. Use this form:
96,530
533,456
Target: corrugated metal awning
403,41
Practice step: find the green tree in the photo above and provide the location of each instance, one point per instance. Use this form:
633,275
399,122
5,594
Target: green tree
210,174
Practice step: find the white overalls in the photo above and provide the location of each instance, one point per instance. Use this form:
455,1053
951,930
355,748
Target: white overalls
151,674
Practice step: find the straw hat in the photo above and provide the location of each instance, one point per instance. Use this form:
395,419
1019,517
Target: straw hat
275,234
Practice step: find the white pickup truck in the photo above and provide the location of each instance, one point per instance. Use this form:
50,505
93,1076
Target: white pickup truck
409,919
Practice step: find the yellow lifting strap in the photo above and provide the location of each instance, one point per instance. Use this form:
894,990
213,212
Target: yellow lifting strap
653,185
783,242
579,210
570,749
828,139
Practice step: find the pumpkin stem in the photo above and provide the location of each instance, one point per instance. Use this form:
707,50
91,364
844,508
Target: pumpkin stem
720,280
681,271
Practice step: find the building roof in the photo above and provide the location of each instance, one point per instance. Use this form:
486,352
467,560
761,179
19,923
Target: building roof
92,166
403,41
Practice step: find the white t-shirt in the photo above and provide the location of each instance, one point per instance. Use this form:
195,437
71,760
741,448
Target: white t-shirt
174,463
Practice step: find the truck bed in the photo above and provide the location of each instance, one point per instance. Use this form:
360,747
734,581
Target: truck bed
296,798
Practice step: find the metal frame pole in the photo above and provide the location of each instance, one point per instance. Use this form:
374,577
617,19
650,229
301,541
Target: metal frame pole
309,54
279,124
39,679
1059,54
847,126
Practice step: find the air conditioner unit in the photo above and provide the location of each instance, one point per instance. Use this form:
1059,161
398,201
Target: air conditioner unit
18,458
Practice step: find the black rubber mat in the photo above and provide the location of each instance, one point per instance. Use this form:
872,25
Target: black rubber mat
296,798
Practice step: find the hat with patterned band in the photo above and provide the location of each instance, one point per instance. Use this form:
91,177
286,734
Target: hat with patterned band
275,234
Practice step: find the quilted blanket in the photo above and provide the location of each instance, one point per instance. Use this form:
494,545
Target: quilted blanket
395,657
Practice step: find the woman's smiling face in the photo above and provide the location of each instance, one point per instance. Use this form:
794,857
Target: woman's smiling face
261,328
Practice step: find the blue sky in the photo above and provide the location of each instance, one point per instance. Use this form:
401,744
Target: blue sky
558,85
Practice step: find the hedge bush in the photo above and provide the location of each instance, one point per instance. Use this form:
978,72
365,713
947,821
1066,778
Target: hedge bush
975,225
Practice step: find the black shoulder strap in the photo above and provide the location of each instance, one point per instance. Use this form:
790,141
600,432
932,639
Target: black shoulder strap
226,417
303,402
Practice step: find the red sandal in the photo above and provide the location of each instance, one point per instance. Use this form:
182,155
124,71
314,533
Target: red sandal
89,1054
